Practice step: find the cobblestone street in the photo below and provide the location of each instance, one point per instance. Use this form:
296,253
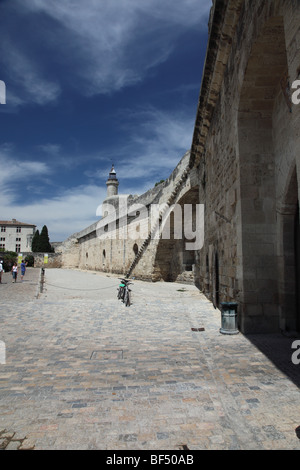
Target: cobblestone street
83,371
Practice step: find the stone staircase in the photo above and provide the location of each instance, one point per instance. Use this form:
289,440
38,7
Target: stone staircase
155,229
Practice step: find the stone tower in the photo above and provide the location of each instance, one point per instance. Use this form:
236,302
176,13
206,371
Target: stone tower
112,183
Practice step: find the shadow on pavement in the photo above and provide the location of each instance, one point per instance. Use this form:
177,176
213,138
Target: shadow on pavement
278,349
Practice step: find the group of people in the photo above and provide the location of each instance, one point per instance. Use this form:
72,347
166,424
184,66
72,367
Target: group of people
14,271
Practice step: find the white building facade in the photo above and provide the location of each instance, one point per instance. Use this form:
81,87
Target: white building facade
16,236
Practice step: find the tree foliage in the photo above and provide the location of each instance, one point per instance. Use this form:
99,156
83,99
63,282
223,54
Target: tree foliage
44,242
9,258
41,242
35,242
29,260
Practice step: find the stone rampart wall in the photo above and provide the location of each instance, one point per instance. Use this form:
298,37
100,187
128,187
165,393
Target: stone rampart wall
247,163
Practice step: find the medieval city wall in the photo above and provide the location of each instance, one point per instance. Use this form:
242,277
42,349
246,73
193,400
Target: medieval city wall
243,167
117,245
247,168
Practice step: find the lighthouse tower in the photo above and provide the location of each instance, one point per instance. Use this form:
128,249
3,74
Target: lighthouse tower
112,183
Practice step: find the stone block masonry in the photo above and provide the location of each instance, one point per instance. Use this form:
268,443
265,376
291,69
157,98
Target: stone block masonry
246,154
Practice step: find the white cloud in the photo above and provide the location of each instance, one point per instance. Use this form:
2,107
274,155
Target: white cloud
69,211
156,142
65,214
151,152
107,45
50,149
26,77
14,171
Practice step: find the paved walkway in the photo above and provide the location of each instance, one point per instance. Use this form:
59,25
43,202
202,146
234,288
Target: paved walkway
84,372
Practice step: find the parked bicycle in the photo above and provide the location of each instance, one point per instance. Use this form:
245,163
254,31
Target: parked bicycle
121,289
124,293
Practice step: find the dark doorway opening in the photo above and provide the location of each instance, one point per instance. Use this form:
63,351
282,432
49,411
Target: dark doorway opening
297,266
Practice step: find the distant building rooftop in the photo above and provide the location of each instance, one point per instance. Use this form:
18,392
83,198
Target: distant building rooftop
15,222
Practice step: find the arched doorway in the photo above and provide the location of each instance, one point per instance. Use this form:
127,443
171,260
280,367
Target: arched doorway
297,269
262,95
289,257
216,282
174,260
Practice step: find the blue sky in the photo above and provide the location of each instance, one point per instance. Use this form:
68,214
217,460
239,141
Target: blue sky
91,83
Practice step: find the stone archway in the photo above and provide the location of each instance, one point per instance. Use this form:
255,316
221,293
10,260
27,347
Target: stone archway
216,282
173,261
289,256
262,90
296,323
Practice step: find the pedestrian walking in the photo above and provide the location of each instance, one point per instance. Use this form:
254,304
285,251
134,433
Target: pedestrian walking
23,270
14,271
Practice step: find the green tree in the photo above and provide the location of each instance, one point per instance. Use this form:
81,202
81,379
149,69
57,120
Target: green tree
29,260
9,258
44,245
35,242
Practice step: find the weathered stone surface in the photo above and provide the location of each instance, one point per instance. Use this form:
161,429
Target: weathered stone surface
248,163
85,372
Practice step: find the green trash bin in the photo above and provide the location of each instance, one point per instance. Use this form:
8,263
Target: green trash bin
229,318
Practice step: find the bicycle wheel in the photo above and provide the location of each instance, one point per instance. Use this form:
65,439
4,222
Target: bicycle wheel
127,298
120,291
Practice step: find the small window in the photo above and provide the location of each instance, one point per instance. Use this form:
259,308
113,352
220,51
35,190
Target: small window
2,245
3,229
2,239
18,239
18,229
135,249
18,248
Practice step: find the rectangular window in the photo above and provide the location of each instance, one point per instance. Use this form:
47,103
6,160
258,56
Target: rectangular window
18,230
18,239
3,229
2,245
18,248
2,239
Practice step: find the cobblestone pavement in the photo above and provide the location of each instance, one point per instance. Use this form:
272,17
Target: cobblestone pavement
83,371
